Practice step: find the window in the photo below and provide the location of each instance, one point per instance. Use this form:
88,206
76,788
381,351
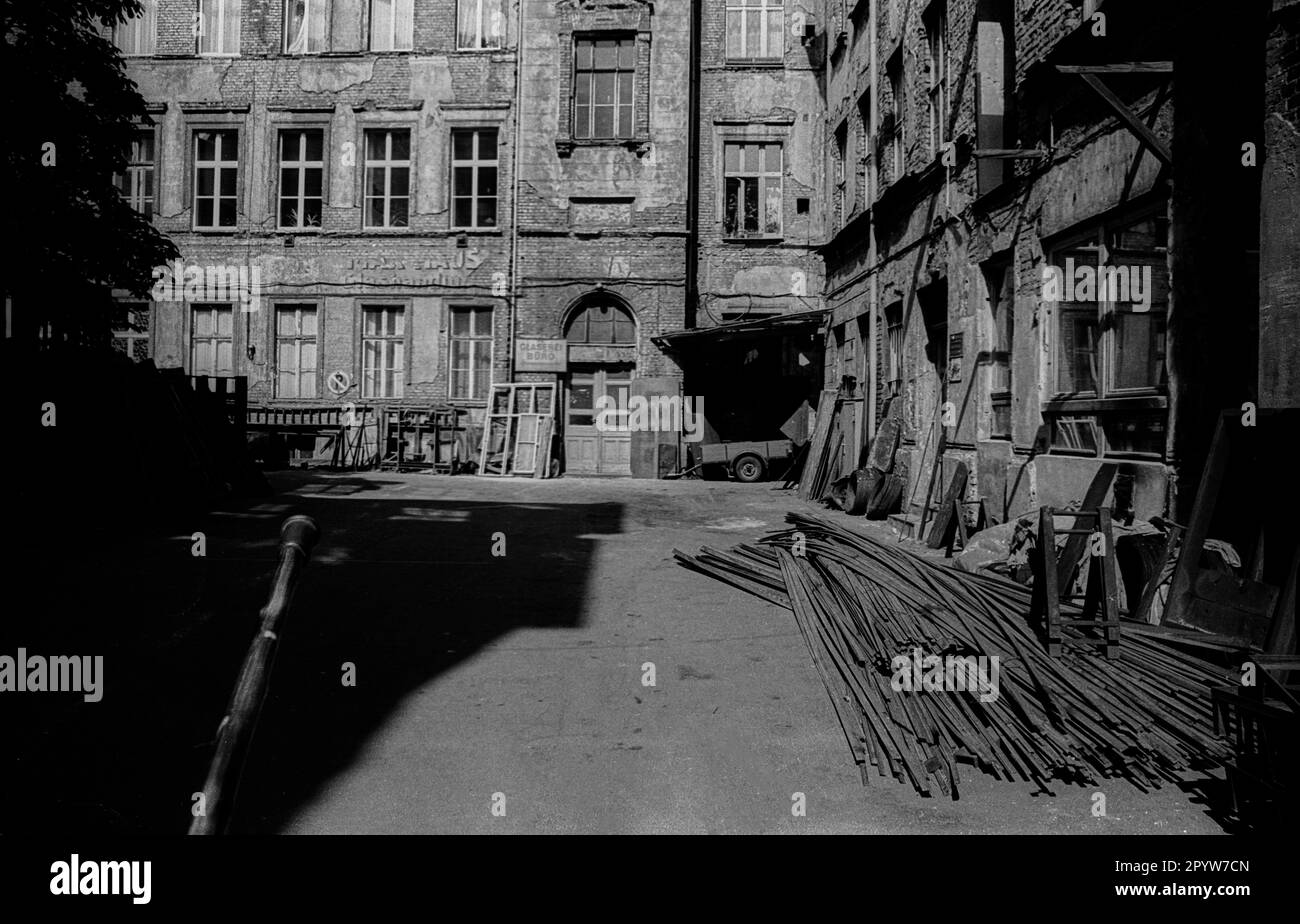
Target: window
995,93
1000,281
603,323
755,29
752,180
937,101
841,173
216,178
136,182
390,25
479,24
306,26
212,340
302,177
474,178
896,113
136,36
864,156
388,178
1111,313
383,349
218,25
295,338
132,337
894,347
602,88
471,353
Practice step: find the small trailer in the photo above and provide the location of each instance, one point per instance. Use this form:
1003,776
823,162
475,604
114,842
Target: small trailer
747,461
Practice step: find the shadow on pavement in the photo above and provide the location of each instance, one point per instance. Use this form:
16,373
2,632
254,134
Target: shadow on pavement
404,589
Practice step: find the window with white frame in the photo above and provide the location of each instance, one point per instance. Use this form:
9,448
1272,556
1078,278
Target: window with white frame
474,178
479,24
212,340
216,178
604,75
136,182
755,29
302,178
471,352
388,178
391,25
137,36
295,341
218,25
306,26
752,185
936,28
383,351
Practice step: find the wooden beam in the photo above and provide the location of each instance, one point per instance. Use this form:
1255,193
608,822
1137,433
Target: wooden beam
1129,118
1130,67
1009,153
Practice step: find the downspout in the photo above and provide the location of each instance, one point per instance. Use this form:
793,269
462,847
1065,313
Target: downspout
873,333
693,173
514,194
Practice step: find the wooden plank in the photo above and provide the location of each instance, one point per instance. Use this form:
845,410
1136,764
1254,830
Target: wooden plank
1198,530
1127,67
825,413
1129,118
1093,499
945,518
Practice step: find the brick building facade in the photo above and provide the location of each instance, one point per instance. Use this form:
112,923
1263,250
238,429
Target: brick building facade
353,159
973,163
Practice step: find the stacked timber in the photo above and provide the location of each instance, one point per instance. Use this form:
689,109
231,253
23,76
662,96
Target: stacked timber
877,619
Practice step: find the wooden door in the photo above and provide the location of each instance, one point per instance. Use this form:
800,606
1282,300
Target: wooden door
598,450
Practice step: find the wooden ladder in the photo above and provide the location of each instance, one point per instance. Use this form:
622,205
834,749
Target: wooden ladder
1055,575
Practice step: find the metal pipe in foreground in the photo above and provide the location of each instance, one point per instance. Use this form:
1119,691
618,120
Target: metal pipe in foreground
235,733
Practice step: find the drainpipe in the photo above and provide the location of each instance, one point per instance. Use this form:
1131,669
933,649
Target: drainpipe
693,172
514,194
873,333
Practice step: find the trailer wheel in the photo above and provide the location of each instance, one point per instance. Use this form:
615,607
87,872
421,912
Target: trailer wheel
749,468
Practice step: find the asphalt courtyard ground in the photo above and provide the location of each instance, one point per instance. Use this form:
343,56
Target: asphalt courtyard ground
513,682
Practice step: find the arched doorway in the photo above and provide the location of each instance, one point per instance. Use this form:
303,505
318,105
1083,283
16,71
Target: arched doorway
601,333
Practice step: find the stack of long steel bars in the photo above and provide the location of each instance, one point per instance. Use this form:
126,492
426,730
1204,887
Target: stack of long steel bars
860,603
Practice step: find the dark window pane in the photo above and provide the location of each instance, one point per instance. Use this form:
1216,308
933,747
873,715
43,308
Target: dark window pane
401,181
487,212
487,145
204,219
462,181
401,145
399,210
315,145
462,145
228,179
206,182
487,181
313,177
288,182
227,213
604,122
463,213
375,145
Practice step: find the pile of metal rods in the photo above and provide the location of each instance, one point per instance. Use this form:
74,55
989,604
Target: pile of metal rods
1078,719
